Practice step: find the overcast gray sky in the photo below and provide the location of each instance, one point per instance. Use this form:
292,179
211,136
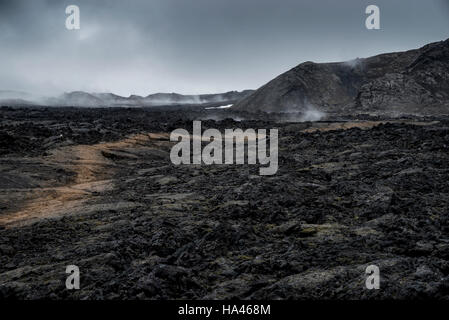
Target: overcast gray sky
196,46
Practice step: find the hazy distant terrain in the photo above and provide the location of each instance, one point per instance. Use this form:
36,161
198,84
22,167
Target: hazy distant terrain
85,99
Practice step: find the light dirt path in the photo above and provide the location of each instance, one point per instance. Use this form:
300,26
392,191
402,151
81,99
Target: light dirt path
94,174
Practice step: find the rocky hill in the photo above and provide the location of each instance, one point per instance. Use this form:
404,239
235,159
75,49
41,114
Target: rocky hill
415,82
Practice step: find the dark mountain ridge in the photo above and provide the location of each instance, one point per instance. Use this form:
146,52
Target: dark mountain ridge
414,81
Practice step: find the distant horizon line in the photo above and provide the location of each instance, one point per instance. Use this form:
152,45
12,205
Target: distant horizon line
33,93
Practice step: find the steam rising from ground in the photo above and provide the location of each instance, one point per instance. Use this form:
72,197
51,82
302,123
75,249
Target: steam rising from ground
305,111
354,63
312,114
